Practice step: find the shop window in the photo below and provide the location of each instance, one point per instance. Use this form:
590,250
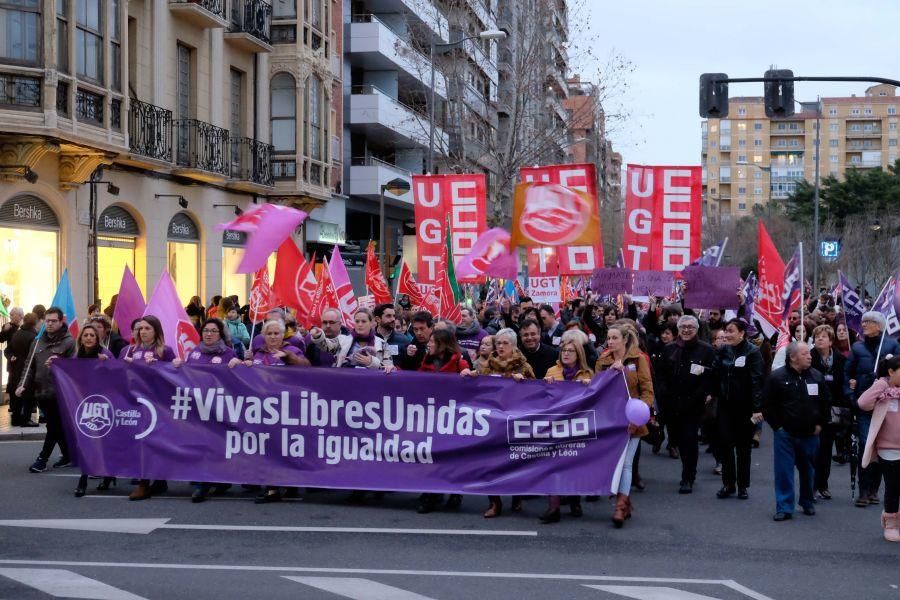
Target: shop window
184,256
29,244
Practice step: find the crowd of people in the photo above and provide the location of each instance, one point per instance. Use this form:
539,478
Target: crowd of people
707,378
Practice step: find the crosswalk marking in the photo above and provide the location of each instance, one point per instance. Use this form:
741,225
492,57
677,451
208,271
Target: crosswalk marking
650,593
60,583
358,588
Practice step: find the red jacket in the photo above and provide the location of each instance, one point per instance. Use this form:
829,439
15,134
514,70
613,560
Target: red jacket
454,365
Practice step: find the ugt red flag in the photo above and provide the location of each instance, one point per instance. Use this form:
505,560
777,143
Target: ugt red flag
770,270
294,281
262,297
268,225
180,334
407,285
662,217
375,278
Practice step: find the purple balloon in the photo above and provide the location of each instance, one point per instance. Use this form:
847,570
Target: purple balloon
637,412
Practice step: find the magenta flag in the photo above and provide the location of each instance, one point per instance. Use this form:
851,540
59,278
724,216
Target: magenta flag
268,225
490,255
130,304
347,302
179,331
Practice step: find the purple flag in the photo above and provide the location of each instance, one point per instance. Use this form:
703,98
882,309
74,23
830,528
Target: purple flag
790,296
268,225
886,304
710,256
851,302
711,287
130,304
344,428
750,289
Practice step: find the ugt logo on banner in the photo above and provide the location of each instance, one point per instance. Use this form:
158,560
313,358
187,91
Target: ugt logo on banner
462,199
662,217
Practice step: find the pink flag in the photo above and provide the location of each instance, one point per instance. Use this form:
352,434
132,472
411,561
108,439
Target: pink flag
490,255
178,330
347,302
267,225
130,304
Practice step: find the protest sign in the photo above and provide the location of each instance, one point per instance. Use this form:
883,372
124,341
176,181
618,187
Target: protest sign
712,287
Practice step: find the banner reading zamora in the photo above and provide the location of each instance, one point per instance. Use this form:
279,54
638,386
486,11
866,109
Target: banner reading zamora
348,429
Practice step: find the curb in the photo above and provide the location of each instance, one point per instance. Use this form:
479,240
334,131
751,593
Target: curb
33,435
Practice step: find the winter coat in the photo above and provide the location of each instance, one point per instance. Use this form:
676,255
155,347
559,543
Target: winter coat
796,401
861,363
340,346
38,373
470,339
834,376
687,377
515,365
453,364
740,377
637,376
541,359
17,355
238,332
556,373
874,399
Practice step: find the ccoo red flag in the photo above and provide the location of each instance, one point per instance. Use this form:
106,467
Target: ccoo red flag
294,282
262,296
375,278
770,269
407,285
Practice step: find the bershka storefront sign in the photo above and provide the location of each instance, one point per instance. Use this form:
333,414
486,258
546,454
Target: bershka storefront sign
352,429
29,211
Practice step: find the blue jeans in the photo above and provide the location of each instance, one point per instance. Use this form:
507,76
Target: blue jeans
625,481
793,451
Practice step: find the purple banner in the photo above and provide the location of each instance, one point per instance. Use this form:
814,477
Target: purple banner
610,282
653,283
344,428
712,287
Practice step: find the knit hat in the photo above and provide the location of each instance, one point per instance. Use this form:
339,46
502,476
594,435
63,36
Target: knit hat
874,315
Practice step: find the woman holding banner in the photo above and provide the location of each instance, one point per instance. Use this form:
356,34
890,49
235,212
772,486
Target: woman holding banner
88,347
623,355
361,348
149,347
485,352
571,366
507,361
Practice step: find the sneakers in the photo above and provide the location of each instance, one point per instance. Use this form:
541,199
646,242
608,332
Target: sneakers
717,470
686,487
39,465
62,463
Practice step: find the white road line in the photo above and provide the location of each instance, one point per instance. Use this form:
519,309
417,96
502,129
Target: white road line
66,584
358,589
650,593
407,572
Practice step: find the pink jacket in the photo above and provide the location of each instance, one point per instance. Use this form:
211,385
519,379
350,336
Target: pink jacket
870,401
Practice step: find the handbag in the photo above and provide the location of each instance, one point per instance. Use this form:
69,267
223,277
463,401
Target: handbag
655,435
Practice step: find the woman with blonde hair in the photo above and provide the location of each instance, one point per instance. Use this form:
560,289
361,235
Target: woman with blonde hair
622,354
571,366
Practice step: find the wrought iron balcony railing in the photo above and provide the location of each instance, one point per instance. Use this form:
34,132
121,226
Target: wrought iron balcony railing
252,161
150,130
203,146
216,7
253,17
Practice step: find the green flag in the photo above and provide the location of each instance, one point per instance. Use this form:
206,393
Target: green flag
3,311
451,270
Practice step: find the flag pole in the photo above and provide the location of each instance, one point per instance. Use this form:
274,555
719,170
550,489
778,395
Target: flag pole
802,287
721,252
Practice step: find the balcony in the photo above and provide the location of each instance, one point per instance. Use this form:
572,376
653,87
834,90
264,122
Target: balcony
377,114
208,14
798,131
871,133
374,46
251,162
483,11
150,130
480,58
367,174
202,150
251,25
20,91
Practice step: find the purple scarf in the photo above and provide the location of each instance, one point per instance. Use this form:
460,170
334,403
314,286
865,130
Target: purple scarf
368,340
570,372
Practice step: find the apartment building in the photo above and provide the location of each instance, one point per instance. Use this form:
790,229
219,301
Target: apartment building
749,159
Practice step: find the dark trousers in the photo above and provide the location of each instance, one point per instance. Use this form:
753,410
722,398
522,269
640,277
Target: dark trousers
791,451
823,459
54,429
687,428
870,477
20,407
736,443
891,471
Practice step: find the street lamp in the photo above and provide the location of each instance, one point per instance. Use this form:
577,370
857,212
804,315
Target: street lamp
396,187
487,34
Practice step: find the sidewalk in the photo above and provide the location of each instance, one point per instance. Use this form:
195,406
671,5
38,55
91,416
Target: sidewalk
9,433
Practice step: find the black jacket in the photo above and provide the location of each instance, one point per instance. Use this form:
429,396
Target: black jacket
547,337
541,359
834,376
741,374
687,377
17,355
795,401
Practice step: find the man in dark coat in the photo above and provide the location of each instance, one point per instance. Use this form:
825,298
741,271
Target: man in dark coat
687,384
796,401
539,355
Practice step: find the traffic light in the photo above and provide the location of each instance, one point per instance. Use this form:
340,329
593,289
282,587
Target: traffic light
713,96
779,94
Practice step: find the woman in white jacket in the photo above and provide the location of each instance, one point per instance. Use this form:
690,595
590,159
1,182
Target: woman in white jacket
360,349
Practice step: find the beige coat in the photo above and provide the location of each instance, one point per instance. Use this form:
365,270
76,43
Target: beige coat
870,400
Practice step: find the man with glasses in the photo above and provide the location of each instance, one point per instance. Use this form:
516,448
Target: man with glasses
331,327
859,375
685,385
55,341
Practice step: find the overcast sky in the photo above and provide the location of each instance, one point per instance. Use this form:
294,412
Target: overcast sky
671,42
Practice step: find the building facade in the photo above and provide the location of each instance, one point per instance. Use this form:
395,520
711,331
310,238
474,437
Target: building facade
749,159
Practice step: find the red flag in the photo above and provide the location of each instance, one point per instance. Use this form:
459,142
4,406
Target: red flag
519,291
323,297
375,278
262,297
407,285
449,307
294,282
770,270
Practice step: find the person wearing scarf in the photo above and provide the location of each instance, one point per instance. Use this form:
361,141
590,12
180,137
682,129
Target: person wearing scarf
571,366
214,348
360,349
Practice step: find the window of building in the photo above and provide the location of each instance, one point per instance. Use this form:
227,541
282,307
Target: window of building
742,206
892,142
833,127
757,143
741,173
184,256
313,139
742,158
892,126
89,40
867,111
757,126
892,110
854,112
833,158
757,191
742,126
29,236
284,9
284,113
742,111
742,143
757,158
115,46
20,21
742,190
833,173
832,111
62,35
116,242
757,174
833,143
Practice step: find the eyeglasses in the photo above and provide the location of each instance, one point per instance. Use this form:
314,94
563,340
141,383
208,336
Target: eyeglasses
868,322
567,351
330,322
689,327
210,331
